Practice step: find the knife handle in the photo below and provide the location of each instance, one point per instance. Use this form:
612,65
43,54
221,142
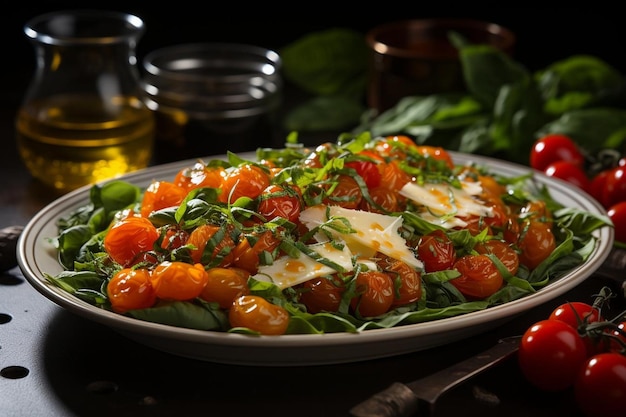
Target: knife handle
398,400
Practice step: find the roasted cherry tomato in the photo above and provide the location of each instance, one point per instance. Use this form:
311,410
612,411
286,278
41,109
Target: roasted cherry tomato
278,201
322,294
551,353
600,388
200,175
259,315
343,191
244,181
224,285
394,177
178,280
617,214
249,250
479,277
375,294
129,238
131,289
387,201
437,153
407,280
212,245
554,148
570,172
160,195
536,243
436,251
367,170
501,250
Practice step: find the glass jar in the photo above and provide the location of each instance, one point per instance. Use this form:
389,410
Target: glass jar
83,118
209,98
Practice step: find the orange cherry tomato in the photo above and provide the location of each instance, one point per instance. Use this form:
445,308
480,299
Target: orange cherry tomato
244,181
130,238
407,280
199,175
375,294
178,280
247,257
160,195
224,285
258,314
217,239
393,177
346,193
436,251
536,243
501,250
479,277
436,152
387,199
131,289
322,294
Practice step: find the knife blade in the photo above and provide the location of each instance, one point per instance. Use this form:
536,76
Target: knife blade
405,400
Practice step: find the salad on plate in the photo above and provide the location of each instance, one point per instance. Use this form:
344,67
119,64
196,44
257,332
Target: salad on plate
362,233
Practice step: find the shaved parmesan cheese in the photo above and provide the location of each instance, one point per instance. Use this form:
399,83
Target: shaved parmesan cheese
287,271
444,204
374,232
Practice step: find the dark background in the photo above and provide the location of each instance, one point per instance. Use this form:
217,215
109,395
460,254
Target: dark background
543,35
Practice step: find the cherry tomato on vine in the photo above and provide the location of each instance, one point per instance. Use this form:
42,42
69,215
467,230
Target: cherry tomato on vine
614,190
178,280
551,354
131,289
554,148
570,172
596,187
375,294
600,388
258,314
129,238
617,214
576,314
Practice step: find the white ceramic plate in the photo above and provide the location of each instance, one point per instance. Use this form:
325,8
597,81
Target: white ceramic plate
36,257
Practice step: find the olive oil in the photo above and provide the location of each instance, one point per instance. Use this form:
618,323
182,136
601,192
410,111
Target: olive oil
67,141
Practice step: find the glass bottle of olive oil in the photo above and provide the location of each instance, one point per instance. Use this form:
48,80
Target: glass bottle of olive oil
83,119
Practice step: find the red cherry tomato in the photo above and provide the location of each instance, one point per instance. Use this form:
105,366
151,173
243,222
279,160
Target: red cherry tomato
436,251
597,185
278,201
570,172
479,277
553,148
600,388
551,354
367,170
615,186
617,214
576,314
322,294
